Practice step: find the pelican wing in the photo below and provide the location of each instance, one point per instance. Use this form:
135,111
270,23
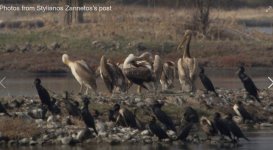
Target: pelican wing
86,73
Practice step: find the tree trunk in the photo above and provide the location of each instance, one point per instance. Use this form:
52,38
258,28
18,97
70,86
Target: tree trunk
67,14
78,15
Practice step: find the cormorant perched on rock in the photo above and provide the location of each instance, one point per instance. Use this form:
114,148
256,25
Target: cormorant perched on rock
249,85
126,115
234,129
86,115
190,115
206,81
43,95
221,125
185,131
72,108
3,110
157,130
242,112
208,127
162,116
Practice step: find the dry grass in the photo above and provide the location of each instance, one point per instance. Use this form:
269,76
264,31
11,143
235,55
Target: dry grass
16,128
119,31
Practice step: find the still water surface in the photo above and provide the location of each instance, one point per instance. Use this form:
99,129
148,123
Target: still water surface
261,140
21,84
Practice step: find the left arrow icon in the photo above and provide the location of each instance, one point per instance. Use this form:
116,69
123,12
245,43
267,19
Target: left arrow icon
271,83
1,82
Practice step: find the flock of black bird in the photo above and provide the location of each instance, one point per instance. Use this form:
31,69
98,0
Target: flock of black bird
225,127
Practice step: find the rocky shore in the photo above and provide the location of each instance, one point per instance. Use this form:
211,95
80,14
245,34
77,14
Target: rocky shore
26,126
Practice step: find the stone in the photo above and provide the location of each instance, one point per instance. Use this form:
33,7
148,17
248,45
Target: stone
84,134
145,132
66,140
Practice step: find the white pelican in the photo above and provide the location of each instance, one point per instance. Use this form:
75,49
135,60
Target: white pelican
187,66
138,69
112,75
82,73
168,75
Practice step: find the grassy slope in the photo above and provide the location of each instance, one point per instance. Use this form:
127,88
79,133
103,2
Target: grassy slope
117,33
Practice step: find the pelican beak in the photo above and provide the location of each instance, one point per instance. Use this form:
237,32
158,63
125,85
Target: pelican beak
181,45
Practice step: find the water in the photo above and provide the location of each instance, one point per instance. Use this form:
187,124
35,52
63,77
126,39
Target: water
21,84
266,30
261,140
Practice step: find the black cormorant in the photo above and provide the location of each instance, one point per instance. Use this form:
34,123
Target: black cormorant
157,130
248,84
221,125
242,112
206,81
162,116
71,107
86,115
3,110
126,115
190,115
185,131
234,129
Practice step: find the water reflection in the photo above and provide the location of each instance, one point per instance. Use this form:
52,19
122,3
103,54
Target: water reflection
261,140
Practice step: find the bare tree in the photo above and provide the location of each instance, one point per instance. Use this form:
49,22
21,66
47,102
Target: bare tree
201,15
73,16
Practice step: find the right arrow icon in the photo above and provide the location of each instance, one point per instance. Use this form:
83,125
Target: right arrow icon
271,83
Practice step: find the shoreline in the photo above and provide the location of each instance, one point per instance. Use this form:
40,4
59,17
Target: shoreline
58,130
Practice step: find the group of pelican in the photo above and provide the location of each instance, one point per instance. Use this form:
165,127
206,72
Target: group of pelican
146,71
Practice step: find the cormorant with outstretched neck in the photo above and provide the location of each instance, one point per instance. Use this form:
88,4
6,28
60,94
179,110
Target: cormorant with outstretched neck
86,115
249,85
162,116
3,110
234,129
43,95
156,129
242,112
126,115
206,81
221,125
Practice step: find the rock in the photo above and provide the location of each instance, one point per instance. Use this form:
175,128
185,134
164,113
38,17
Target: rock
266,124
115,141
145,132
51,119
148,141
84,134
24,141
66,140
12,142
33,143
